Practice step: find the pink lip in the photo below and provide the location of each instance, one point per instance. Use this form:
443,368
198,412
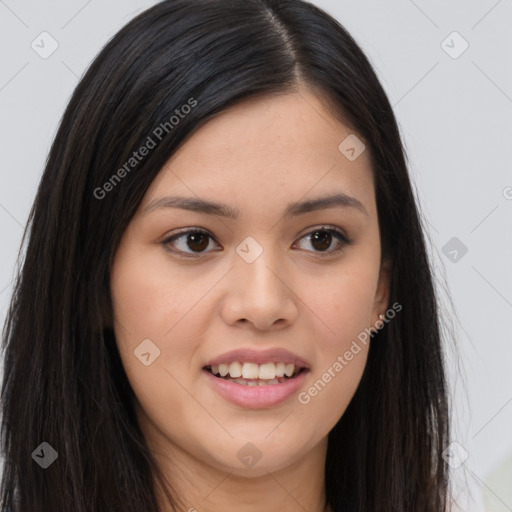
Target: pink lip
256,397
248,355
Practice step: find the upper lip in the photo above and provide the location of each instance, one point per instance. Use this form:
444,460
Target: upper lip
249,355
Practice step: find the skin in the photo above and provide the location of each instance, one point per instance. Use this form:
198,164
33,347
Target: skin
257,156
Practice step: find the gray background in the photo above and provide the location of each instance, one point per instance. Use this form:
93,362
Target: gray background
455,117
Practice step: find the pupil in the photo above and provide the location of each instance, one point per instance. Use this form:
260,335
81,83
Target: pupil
323,245
194,237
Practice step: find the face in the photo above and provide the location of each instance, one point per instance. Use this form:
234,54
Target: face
189,287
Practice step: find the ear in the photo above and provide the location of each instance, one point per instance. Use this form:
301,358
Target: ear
381,302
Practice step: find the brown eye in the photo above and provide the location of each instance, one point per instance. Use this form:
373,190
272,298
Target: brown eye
321,240
190,242
195,242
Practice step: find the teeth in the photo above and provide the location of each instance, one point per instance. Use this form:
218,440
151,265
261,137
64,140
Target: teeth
250,371
235,369
223,369
253,383
266,371
289,369
268,382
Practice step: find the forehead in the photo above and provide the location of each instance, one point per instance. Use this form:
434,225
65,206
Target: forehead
271,149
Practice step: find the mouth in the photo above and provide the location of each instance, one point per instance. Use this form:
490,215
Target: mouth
256,386
252,374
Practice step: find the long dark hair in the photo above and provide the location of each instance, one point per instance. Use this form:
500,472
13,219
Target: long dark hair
64,383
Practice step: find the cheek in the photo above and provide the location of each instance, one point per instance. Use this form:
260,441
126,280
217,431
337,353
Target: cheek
342,307
341,310
149,299
342,346
148,306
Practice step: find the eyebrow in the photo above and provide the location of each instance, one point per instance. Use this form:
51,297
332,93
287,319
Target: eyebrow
339,200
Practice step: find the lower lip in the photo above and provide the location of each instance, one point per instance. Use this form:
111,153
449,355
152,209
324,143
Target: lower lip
256,397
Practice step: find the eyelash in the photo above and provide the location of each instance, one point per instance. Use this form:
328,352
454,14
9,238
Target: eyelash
339,235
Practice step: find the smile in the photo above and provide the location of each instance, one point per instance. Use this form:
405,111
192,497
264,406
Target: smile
256,386
253,374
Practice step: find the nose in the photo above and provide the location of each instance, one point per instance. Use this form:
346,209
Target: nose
260,293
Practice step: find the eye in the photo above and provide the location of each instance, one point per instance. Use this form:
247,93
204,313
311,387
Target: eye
197,240
322,238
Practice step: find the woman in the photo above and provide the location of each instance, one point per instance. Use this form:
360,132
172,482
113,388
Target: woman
226,301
